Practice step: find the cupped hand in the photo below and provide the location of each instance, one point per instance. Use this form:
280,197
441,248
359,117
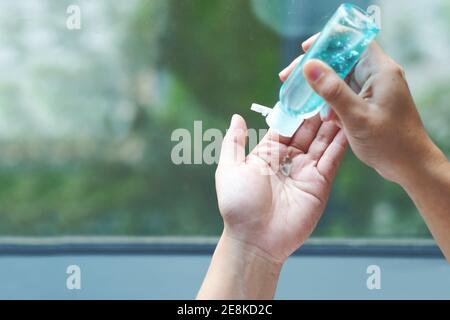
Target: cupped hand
273,198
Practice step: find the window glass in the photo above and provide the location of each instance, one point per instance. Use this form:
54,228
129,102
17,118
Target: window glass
89,106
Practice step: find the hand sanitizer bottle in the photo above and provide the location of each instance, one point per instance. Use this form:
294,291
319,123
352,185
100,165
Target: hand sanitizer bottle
340,45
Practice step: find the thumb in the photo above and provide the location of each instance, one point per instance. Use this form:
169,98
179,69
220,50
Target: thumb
233,146
344,101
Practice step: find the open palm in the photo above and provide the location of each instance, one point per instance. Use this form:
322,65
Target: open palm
274,197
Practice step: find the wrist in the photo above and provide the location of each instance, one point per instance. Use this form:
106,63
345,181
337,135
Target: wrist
240,271
429,163
248,252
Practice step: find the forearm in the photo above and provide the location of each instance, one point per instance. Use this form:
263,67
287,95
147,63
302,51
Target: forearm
428,185
239,272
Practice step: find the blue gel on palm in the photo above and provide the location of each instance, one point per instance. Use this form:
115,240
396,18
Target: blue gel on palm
340,45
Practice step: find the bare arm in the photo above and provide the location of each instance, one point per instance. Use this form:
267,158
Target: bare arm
238,272
428,185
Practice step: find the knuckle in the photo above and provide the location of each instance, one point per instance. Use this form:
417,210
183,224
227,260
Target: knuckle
402,72
396,70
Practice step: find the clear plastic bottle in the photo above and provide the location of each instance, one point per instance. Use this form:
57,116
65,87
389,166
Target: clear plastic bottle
340,45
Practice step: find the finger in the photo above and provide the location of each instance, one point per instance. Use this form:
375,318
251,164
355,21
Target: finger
268,154
327,114
323,139
347,104
309,42
303,138
287,71
233,146
371,61
272,149
272,136
331,159
305,45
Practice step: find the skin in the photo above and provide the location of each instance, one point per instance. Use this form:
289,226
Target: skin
267,217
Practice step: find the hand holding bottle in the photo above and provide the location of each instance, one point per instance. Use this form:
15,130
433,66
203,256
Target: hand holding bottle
380,120
376,110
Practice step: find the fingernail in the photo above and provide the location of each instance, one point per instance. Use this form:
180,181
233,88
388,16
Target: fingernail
303,45
314,73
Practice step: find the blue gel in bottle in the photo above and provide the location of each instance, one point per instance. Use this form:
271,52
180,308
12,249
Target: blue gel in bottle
340,45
